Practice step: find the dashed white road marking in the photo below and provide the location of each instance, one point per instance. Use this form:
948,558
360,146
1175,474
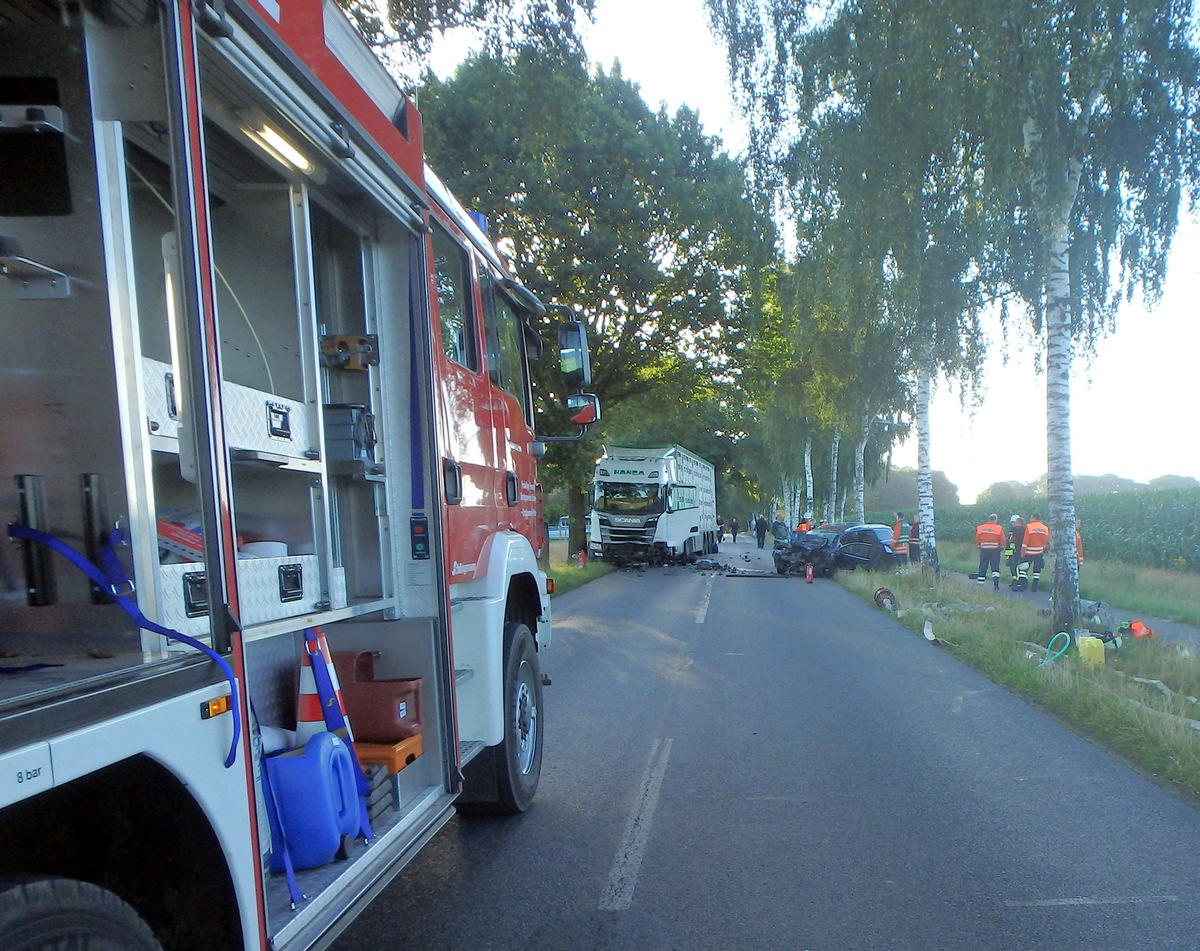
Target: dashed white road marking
627,865
1060,902
702,610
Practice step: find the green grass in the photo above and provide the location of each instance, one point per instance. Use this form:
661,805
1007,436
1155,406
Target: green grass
1172,595
566,572
992,633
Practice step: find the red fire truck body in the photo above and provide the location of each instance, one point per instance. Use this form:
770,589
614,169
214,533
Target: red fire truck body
267,405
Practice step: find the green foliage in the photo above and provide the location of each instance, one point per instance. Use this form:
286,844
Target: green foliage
1058,141
1153,528
897,491
409,27
629,219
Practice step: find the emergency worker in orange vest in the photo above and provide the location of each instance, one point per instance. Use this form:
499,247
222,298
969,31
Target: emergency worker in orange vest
900,537
989,539
1033,549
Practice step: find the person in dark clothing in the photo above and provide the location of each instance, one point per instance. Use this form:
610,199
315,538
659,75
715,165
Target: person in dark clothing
1016,536
760,531
914,540
779,528
734,528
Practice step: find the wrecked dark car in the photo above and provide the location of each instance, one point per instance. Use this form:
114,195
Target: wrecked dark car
845,545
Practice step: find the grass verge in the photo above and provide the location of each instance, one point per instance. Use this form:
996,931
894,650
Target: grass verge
1172,595
566,572
1148,723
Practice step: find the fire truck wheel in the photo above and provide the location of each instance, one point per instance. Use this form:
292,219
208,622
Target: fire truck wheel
519,759
503,779
51,913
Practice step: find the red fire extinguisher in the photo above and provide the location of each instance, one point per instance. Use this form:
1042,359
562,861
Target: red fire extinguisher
583,558
808,573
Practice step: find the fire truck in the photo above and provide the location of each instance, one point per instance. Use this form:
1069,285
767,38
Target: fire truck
267,449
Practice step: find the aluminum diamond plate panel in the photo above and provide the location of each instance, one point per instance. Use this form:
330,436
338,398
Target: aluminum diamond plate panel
264,422
254,419
156,380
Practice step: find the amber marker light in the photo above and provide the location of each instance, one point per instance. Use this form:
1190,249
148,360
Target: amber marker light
214,708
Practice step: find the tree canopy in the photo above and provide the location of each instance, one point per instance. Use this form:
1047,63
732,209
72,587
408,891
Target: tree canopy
632,220
408,28
1063,134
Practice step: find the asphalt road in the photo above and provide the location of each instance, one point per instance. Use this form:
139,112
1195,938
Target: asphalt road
755,762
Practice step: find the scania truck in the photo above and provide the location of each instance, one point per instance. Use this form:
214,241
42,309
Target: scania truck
655,506
267,406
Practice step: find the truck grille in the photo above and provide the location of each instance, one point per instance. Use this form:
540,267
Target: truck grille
626,534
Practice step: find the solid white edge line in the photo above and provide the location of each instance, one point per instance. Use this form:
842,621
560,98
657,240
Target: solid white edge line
622,878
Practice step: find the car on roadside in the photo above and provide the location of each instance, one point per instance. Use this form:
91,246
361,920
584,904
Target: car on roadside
844,545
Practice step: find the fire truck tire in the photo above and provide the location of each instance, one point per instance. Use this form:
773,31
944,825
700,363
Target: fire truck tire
503,779
51,913
520,767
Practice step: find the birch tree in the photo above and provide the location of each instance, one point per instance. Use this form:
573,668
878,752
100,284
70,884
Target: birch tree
858,119
1079,145
1095,107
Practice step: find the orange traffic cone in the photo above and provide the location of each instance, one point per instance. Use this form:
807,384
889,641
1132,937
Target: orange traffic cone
310,716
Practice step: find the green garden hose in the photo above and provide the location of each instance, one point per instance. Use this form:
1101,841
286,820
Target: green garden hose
1049,647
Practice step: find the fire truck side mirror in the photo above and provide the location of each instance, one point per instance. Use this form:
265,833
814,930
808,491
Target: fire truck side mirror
584,408
573,359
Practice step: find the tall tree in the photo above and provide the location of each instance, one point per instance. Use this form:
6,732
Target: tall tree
634,221
1084,141
1094,104
855,119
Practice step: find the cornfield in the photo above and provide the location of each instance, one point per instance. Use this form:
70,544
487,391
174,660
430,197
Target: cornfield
1153,529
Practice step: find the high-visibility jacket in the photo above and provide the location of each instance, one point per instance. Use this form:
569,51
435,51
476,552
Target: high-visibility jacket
900,538
989,536
1037,537
1079,548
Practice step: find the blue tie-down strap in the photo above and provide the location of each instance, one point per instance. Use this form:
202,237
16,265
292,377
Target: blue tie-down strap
116,582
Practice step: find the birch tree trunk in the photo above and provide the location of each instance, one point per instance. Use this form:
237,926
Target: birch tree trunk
1060,488
831,506
860,450
1054,220
808,474
924,462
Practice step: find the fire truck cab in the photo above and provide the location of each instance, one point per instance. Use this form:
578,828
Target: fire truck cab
267,380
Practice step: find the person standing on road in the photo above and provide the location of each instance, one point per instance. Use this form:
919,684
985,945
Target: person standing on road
989,539
900,537
734,528
1016,531
760,531
914,540
779,528
1033,549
